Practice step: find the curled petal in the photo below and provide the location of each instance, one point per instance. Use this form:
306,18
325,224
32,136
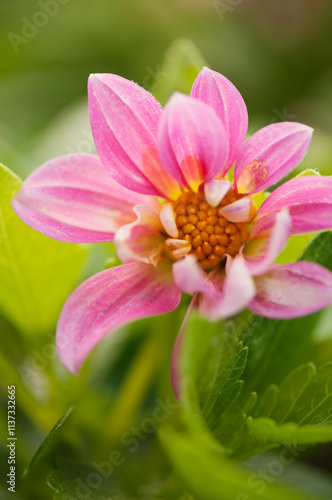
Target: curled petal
309,201
292,290
167,218
142,239
233,291
176,371
124,120
72,198
190,277
216,190
221,95
175,367
192,141
109,300
270,154
177,249
242,210
265,247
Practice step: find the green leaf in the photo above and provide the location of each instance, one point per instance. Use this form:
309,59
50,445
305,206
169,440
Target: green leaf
212,364
305,396
37,273
210,476
181,64
278,346
50,439
78,481
268,430
301,409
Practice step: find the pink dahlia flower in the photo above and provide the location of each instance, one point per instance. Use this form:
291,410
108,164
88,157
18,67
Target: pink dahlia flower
160,189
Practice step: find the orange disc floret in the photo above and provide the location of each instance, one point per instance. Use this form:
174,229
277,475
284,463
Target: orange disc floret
211,235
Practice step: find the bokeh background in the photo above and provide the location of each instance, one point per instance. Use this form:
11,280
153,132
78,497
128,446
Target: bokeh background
277,53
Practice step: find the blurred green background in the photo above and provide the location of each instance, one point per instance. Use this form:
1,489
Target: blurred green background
277,53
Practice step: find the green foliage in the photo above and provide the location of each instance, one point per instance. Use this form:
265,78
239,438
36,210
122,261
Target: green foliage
72,482
50,439
245,379
212,367
211,476
300,410
37,273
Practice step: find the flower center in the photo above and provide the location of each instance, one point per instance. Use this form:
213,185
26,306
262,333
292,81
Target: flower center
210,234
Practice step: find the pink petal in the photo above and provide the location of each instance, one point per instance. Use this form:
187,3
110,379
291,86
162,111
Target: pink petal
242,210
142,239
292,290
270,154
221,95
264,248
190,277
109,300
232,292
176,249
167,218
72,198
309,201
216,190
124,120
192,141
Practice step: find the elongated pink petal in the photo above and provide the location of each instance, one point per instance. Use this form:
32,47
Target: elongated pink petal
309,201
167,218
190,277
219,93
292,290
142,239
216,190
192,141
124,120
109,300
270,154
232,292
242,210
72,198
262,250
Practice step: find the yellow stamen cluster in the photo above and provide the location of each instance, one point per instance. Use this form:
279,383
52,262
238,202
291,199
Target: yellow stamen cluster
210,234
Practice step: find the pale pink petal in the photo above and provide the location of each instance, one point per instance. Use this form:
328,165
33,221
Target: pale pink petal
109,300
219,93
72,198
140,239
309,201
176,249
264,248
242,210
190,277
176,368
167,218
232,292
124,120
292,290
216,190
192,141
270,154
